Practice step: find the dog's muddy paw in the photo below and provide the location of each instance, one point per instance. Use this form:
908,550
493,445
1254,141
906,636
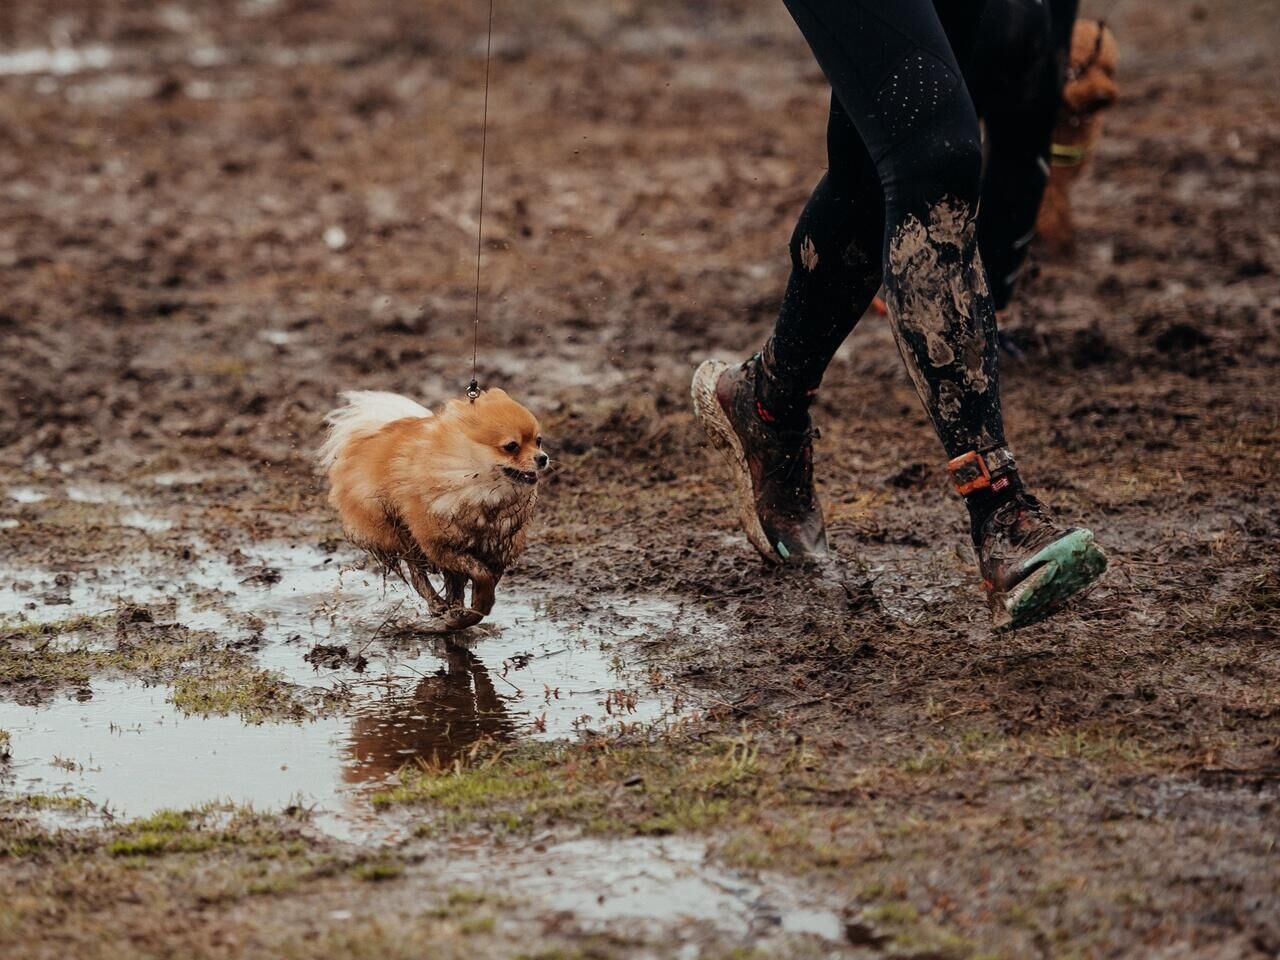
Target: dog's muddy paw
459,618
455,618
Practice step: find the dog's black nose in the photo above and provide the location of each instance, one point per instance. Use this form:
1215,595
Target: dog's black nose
541,460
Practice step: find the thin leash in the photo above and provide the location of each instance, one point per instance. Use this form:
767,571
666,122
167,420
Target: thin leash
473,389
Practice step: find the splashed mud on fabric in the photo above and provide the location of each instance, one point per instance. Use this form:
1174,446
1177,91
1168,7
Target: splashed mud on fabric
938,323
809,254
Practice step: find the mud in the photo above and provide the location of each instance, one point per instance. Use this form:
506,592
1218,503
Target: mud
213,218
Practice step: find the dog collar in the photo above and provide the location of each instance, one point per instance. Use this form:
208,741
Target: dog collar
1067,154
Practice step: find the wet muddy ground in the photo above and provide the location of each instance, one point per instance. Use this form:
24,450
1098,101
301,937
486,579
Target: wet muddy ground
223,734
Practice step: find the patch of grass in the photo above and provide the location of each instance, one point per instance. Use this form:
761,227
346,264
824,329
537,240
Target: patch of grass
911,935
898,913
799,844
466,897
602,788
207,678
30,632
377,871
45,801
194,831
154,844
474,925
973,746
1098,747
256,695
977,749
160,653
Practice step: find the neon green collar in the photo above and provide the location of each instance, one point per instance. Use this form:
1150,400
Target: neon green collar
1067,154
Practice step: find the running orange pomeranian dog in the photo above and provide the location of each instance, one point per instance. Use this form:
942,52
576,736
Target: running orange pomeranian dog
448,494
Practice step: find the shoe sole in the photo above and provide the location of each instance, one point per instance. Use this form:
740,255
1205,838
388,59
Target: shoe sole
1065,567
709,413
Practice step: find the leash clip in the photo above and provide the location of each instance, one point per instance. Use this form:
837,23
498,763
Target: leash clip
473,390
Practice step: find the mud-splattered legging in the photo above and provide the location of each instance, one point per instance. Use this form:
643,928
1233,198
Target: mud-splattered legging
897,204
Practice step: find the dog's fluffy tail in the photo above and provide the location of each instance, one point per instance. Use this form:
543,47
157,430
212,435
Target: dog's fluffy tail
362,413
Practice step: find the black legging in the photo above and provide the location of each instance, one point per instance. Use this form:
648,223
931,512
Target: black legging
1016,76
898,204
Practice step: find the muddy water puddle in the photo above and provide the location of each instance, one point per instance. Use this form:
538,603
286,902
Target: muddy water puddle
546,665
643,885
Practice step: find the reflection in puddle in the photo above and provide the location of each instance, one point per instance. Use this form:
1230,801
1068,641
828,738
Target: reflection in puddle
318,622
644,882
439,719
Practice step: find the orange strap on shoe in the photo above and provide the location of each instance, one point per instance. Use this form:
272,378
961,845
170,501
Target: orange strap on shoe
984,470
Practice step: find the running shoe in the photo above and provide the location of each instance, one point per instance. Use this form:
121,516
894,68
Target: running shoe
772,466
1031,566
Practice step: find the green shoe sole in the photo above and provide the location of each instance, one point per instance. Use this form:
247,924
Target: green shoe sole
1063,569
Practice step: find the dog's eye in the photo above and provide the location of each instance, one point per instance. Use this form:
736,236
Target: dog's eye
512,447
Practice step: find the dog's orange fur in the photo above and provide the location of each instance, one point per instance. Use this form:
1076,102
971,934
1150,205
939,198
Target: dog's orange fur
1079,125
449,494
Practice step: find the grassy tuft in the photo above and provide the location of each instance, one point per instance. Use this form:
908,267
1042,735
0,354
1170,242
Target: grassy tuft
377,871
256,695
601,788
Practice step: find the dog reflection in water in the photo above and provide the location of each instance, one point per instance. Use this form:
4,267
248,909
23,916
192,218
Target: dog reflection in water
438,722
